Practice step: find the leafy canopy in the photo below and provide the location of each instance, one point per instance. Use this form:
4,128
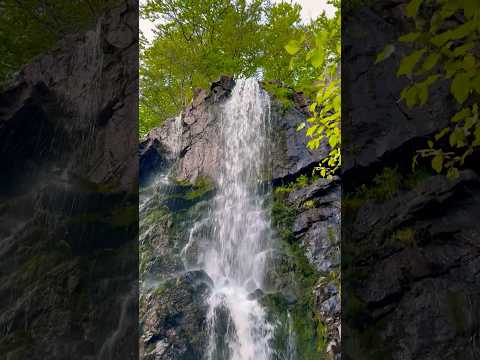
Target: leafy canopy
316,56
197,41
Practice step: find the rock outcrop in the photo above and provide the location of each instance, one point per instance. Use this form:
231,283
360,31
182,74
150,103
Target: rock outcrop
199,145
174,318
317,227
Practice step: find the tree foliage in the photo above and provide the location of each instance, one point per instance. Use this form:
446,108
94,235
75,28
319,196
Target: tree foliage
30,27
197,41
316,55
445,42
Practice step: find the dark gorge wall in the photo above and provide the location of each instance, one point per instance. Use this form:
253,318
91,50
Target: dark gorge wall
303,277
68,197
410,259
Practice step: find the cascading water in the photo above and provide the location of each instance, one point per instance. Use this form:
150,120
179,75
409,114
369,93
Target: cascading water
235,260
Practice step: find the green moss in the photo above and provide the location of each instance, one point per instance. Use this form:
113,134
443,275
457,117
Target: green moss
160,290
405,236
310,204
385,185
299,183
296,321
155,216
302,278
201,187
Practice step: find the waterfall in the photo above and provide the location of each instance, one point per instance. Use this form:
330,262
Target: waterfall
235,259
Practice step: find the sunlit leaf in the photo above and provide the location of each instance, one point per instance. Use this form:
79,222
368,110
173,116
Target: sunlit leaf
292,47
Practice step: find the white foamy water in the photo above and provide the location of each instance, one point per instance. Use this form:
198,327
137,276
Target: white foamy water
235,259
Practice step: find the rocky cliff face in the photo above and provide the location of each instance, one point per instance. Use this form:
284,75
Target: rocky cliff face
304,277
409,240
68,135
199,141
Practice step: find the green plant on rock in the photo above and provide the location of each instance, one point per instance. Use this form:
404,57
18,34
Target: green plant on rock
202,186
320,47
445,42
405,236
281,92
385,185
309,332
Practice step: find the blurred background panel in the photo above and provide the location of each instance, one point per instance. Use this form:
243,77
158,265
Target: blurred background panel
69,179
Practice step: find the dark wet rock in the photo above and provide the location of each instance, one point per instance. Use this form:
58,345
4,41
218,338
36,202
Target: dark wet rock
173,318
375,123
328,307
317,224
289,154
317,228
417,267
153,156
255,295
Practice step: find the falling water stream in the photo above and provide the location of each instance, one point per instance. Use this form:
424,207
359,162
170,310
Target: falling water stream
235,259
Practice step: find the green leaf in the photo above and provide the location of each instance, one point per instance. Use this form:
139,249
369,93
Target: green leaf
470,8
311,130
430,144
412,8
430,62
292,47
451,67
410,37
300,126
445,11
410,95
457,138
408,63
318,58
423,94
462,114
442,133
437,163
468,62
462,50
333,140
458,32
476,83
385,53
460,87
